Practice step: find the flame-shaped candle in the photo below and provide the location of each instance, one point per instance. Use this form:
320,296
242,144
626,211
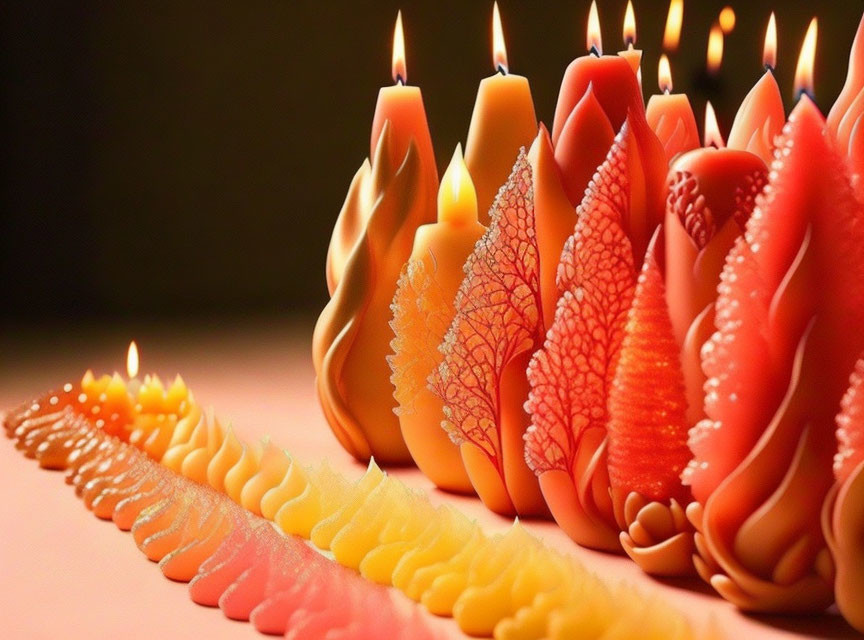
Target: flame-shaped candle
845,117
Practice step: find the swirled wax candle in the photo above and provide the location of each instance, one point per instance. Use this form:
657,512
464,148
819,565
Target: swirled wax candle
789,318
761,115
503,122
670,115
351,341
422,312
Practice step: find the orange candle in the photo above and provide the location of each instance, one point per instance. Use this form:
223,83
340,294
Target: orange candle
670,115
503,121
631,54
761,116
423,310
403,107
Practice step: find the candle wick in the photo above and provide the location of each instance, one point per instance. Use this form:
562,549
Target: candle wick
666,91
769,67
594,51
502,69
630,42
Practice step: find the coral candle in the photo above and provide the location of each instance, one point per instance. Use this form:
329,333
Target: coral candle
631,54
670,115
761,116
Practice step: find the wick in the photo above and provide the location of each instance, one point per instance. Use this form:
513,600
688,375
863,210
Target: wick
399,80
666,91
769,67
630,42
502,69
594,51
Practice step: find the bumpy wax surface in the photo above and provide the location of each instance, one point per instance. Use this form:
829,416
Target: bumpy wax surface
850,427
508,585
571,375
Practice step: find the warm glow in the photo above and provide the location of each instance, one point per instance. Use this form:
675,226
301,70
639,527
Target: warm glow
664,74
400,71
769,51
457,197
712,129
715,49
806,59
629,25
674,18
727,19
594,40
132,360
499,50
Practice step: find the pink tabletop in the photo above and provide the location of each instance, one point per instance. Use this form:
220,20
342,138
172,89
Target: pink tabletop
67,574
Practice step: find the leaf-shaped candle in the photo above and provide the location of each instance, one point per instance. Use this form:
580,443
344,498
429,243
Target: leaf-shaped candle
570,376
789,325
843,514
648,433
845,118
422,313
499,323
352,338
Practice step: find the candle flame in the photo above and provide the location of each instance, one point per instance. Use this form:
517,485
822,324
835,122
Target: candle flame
400,70
629,25
664,74
769,51
727,19
806,59
132,360
715,49
457,197
672,34
499,50
712,129
594,40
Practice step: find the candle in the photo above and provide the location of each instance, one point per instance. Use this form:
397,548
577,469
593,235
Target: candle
670,115
789,318
712,192
761,116
630,53
503,121
846,114
618,94
423,311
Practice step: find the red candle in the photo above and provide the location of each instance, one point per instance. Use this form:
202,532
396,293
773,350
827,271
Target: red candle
670,115
761,116
845,118
403,107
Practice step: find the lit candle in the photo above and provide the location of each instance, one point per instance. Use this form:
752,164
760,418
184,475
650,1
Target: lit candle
423,310
503,121
761,116
670,115
631,54
712,192
846,115
403,106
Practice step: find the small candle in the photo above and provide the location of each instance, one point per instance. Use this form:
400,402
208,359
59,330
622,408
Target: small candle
845,117
761,116
670,115
630,53
503,121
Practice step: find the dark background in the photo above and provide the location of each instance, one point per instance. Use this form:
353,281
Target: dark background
179,158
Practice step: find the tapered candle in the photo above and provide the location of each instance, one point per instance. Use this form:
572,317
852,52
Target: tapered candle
761,116
503,121
631,54
670,115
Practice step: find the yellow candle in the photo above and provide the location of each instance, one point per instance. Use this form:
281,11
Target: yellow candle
503,121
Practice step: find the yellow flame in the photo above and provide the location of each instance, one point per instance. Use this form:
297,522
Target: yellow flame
806,59
132,360
715,48
594,38
672,34
629,25
400,69
769,51
727,19
712,129
457,197
664,74
499,50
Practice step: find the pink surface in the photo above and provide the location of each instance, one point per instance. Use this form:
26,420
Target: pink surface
66,573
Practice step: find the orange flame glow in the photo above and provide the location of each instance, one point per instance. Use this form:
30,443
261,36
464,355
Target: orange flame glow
672,34
664,75
806,59
712,129
499,50
727,19
132,360
629,25
769,51
400,70
715,49
594,39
